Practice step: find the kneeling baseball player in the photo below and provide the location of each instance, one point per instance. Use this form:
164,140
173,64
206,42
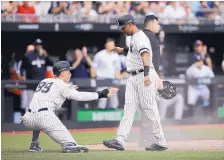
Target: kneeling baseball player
50,94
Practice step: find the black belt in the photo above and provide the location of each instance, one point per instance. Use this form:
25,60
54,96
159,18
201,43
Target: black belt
136,72
42,109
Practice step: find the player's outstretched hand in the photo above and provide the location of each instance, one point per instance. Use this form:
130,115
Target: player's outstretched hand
75,86
117,50
112,92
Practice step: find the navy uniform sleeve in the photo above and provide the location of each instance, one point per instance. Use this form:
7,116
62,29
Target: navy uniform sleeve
25,65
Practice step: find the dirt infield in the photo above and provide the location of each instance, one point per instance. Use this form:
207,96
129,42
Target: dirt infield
193,145
115,129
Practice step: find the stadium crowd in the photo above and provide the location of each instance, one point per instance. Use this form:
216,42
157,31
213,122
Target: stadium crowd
168,12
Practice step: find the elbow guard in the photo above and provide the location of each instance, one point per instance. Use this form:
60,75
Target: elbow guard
103,93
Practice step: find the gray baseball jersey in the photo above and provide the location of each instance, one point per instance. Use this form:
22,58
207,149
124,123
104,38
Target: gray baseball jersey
137,95
201,90
51,93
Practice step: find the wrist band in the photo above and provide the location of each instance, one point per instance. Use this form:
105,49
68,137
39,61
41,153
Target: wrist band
103,93
146,70
126,49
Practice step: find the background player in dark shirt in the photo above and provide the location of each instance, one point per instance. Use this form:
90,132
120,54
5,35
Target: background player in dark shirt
200,49
151,30
35,62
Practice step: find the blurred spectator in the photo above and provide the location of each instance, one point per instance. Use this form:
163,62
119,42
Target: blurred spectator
173,12
195,5
137,9
82,64
8,7
153,9
60,7
177,102
75,8
106,65
215,13
198,70
108,8
42,7
87,9
33,67
25,8
190,15
168,12
122,7
202,10
201,49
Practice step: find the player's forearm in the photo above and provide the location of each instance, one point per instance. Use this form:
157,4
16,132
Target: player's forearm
118,75
146,63
89,61
92,72
76,63
145,59
84,96
56,10
209,62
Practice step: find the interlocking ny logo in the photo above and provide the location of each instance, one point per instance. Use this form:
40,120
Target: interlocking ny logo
38,63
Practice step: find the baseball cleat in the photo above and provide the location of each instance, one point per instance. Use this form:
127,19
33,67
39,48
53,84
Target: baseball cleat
113,144
34,147
74,149
156,147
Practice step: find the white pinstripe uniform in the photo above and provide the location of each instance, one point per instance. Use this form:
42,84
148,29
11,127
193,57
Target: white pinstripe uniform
137,95
51,94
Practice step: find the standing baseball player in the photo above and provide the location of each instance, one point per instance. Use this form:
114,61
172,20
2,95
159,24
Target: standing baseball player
151,29
141,87
50,94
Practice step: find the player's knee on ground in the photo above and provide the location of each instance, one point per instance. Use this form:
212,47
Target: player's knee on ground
60,134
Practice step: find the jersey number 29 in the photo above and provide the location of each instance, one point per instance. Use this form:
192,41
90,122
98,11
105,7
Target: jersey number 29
44,87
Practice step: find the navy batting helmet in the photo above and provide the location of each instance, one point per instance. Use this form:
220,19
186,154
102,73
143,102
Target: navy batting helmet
61,66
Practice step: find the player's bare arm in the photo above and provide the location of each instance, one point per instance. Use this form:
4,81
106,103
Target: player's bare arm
119,50
118,75
145,59
209,62
92,72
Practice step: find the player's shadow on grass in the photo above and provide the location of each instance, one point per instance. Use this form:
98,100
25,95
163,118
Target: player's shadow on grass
50,151
27,151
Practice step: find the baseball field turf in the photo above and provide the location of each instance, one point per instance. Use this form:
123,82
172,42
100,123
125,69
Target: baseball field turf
185,143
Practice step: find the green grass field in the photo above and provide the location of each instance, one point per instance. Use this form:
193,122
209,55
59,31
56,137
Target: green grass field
16,147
